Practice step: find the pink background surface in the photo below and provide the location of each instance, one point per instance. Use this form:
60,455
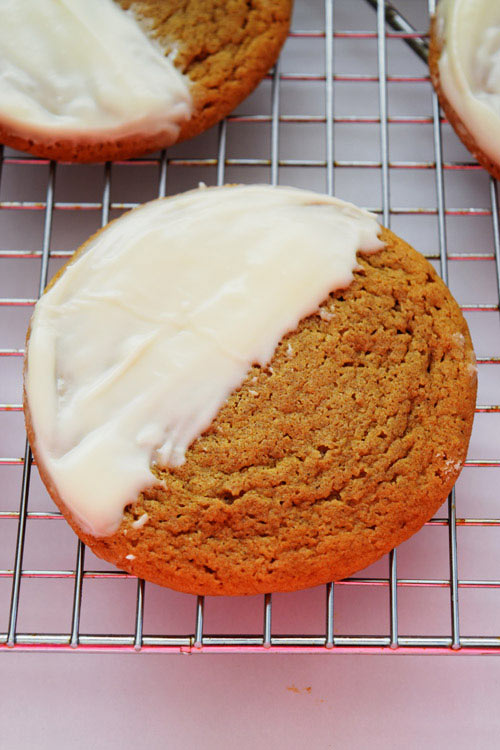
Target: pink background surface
153,701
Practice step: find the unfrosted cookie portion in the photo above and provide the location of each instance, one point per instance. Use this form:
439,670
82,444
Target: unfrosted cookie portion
110,79
323,459
224,48
465,71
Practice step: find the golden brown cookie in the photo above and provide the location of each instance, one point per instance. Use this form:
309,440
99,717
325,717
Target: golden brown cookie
224,47
435,48
324,460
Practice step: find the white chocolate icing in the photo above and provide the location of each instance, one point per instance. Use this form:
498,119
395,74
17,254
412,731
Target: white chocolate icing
85,67
145,335
469,67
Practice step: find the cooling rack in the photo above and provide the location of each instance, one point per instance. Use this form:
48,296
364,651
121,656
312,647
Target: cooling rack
348,110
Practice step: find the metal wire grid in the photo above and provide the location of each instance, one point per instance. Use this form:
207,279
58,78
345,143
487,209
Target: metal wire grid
329,640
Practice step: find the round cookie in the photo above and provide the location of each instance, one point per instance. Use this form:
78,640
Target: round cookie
224,49
322,461
463,132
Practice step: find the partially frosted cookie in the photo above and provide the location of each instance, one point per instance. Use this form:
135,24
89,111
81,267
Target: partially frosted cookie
464,60
95,80
247,389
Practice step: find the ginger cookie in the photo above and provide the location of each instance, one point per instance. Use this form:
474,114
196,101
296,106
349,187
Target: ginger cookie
247,389
113,79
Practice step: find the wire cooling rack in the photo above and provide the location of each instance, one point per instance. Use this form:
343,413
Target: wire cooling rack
348,109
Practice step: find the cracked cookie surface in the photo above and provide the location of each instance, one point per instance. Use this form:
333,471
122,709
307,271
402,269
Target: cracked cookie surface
321,462
225,47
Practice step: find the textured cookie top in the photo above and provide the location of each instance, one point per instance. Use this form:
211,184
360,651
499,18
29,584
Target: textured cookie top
144,336
224,47
339,449
464,58
83,63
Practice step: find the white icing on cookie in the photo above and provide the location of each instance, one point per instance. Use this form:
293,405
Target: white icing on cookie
85,68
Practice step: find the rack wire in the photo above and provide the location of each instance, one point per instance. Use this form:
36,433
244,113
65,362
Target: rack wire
29,252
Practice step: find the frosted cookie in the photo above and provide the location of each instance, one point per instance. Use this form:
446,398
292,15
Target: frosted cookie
247,389
464,63
96,80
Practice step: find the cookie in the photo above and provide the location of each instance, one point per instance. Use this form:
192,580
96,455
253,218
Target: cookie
114,79
465,74
340,440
